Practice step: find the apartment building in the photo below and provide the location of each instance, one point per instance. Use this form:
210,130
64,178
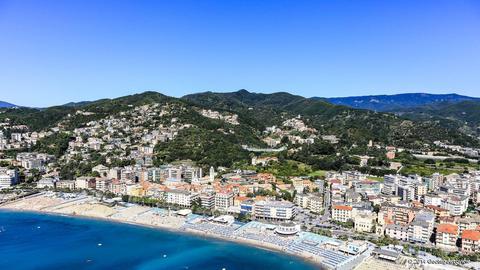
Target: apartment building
470,241
342,213
447,235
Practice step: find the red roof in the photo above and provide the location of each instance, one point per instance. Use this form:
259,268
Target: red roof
471,235
342,207
447,228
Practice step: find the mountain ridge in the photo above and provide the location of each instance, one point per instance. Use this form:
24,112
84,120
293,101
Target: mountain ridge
387,103
209,139
256,111
4,104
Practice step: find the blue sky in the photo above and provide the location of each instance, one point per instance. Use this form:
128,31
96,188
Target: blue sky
53,52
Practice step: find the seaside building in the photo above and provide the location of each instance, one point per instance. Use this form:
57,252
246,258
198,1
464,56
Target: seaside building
118,187
46,183
246,207
8,177
103,184
399,214
207,199
223,200
287,229
274,210
180,197
85,182
66,184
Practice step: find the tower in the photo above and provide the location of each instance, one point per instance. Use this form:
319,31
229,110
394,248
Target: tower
212,174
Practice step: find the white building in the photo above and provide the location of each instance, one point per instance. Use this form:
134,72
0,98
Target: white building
207,200
180,197
421,229
8,178
364,222
433,199
342,213
66,184
456,205
397,231
46,183
274,210
85,183
223,200
302,200
315,204
103,184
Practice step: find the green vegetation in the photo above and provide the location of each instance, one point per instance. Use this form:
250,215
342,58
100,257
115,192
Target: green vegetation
318,173
426,170
285,168
349,224
213,142
376,178
36,119
206,147
351,125
384,241
463,115
474,257
323,232
55,144
427,167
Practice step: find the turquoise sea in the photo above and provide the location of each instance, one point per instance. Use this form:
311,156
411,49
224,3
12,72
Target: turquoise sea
39,241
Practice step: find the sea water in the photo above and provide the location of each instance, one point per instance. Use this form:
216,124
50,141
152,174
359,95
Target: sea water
39,241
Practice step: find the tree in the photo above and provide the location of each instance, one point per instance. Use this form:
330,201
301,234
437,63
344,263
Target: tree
429,161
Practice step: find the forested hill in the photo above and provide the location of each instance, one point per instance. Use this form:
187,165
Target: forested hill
354,126
464,114
255,113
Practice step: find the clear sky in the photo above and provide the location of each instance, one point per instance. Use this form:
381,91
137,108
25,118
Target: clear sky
53,52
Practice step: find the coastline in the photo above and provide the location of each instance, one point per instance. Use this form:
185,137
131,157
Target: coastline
189,232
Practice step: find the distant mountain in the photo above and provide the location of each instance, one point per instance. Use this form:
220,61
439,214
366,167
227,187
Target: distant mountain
77,104
4,104
465,114
385,103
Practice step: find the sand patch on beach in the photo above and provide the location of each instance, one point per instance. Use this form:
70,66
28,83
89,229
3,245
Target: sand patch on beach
87,209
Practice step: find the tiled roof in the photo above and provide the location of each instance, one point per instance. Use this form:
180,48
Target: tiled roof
447,228
342,207
471,235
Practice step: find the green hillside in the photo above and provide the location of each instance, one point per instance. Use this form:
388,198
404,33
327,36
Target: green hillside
216,142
